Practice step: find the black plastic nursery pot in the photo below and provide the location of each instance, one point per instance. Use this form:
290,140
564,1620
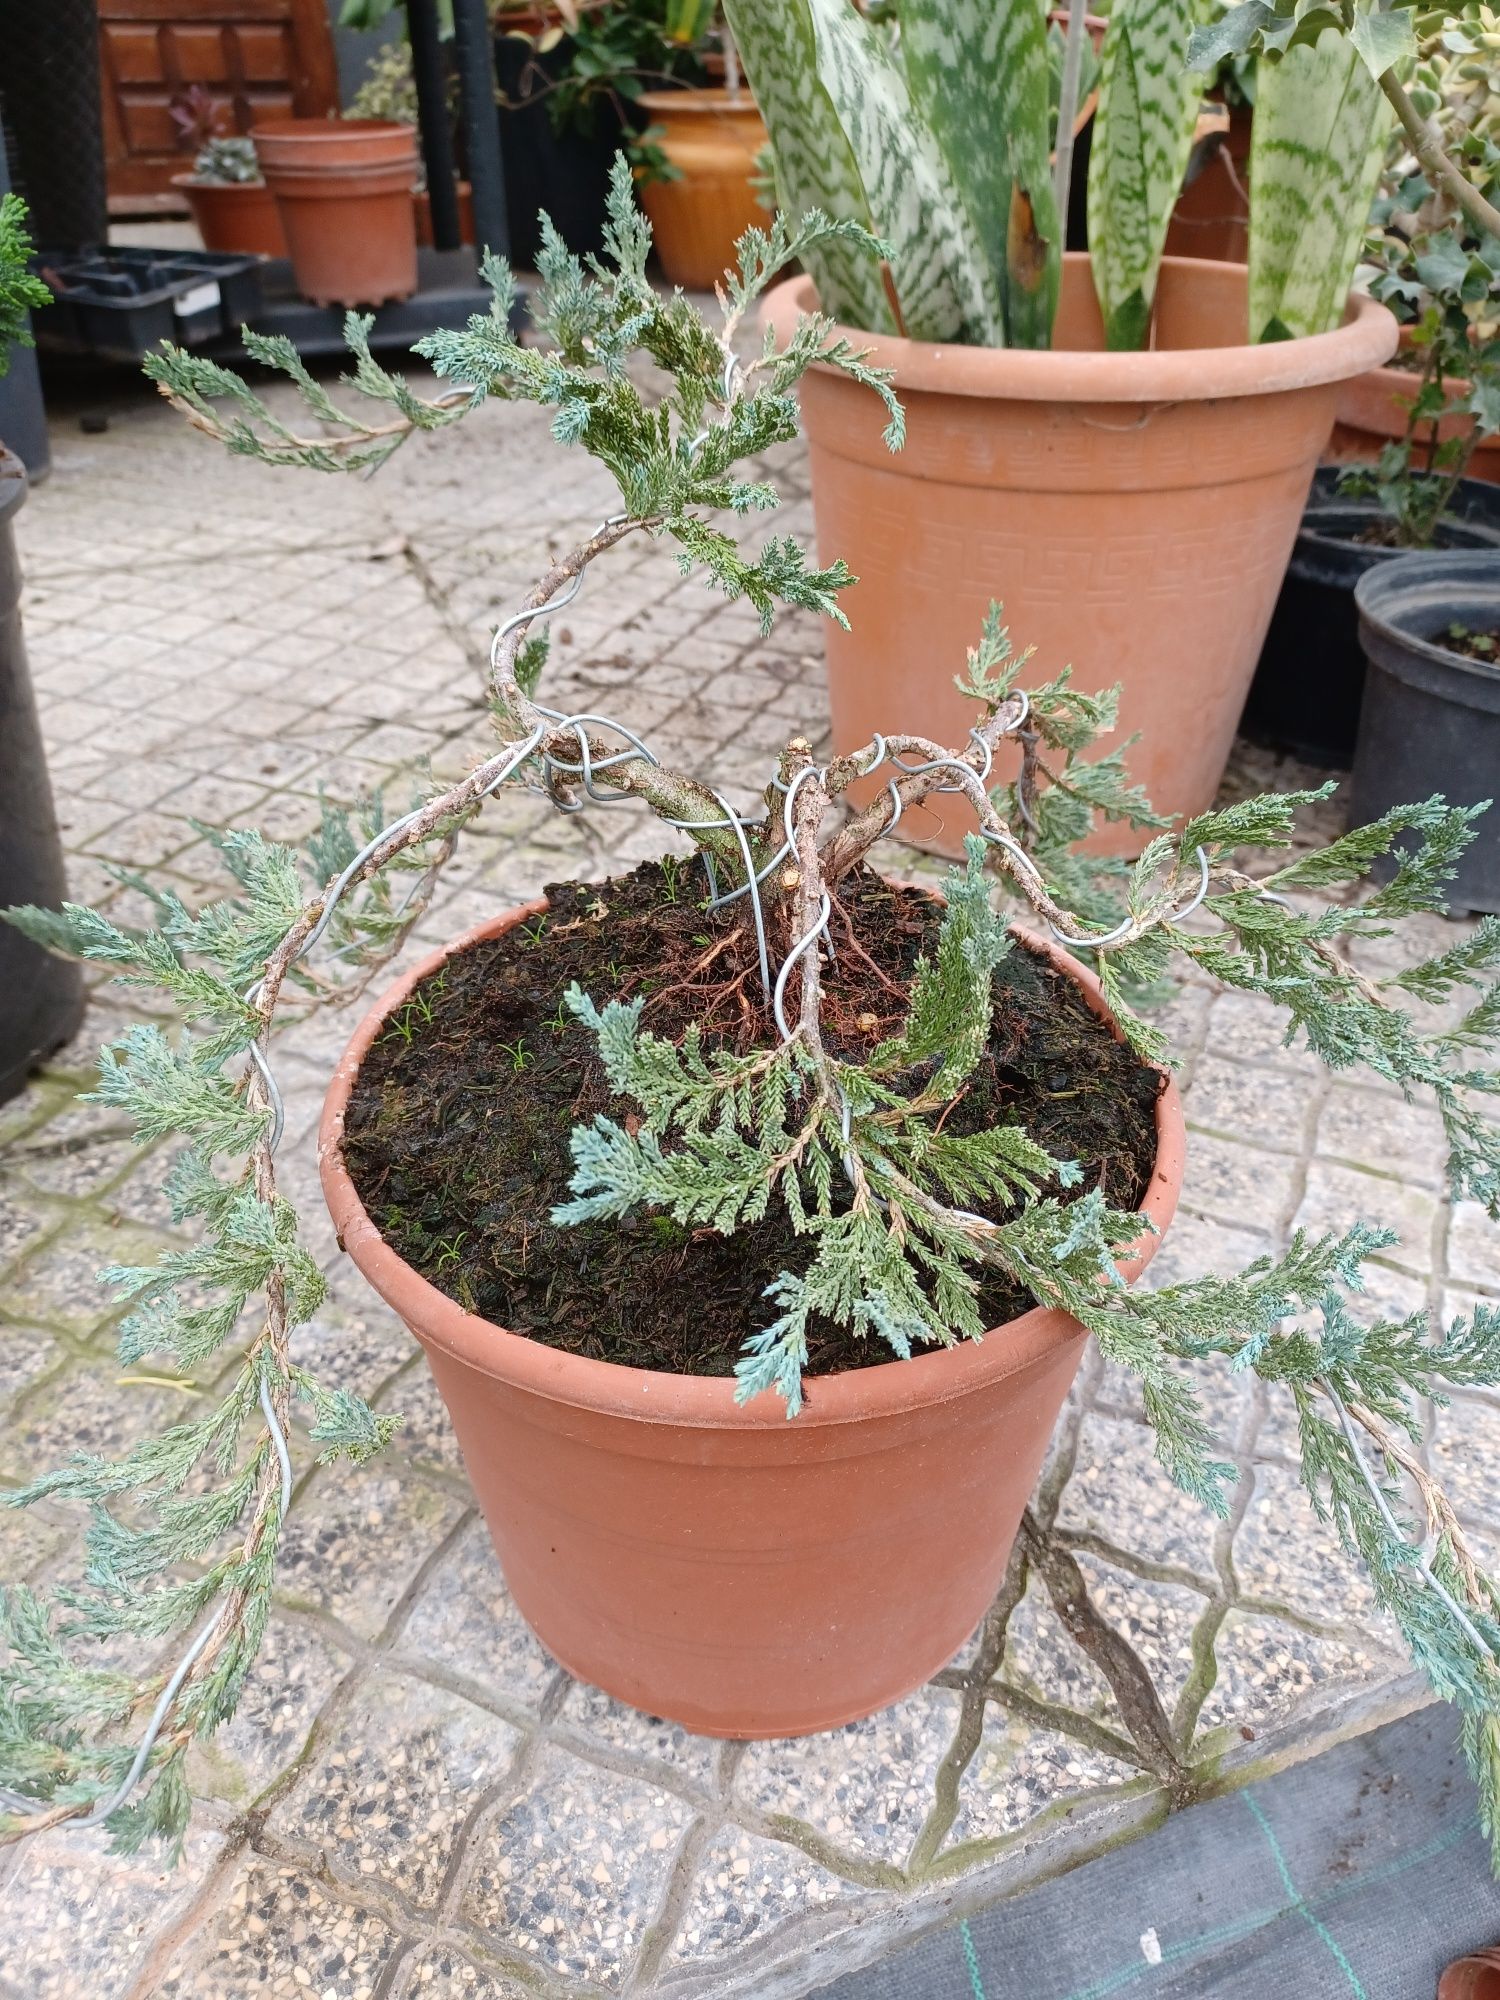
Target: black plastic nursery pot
564,172
41,997
1431,717
1305,697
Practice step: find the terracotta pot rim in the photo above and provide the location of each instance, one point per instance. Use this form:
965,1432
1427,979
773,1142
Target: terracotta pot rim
698,99
647,1395
219,187
318,130
1409,380
320,179
1163,375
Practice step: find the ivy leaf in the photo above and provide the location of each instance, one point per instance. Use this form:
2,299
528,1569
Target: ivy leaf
1231,35
1442,263
1384,37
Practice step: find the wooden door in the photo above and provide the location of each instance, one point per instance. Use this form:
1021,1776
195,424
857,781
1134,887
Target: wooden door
256,58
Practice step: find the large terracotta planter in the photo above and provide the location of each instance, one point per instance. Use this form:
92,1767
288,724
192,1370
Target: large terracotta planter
744,1575
343,187
1373,409
1133,512
234,215
712,138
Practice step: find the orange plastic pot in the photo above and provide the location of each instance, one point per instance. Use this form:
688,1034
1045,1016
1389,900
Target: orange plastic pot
712,139
234,215
343,187
1133,512
1373,409
713,1562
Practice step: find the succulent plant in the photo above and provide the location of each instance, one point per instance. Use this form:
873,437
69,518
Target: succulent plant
229,160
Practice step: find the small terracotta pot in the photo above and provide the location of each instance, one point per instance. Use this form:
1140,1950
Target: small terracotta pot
1211,217
234,215
710,1561
1373,409
422,210
713,139
1133,512
344,190
1474,1978
1096,25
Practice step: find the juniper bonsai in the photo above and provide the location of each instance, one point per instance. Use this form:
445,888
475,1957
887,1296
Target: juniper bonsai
900,1215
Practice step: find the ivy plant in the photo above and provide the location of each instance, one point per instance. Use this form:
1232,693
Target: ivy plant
1385,40
902,1214
1424,260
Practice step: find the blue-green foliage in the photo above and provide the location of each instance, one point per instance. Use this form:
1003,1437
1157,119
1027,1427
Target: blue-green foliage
672,459
723,1135
189,1493
901,1216
207,1492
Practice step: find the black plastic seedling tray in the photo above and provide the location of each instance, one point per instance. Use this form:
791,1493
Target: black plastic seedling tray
121,303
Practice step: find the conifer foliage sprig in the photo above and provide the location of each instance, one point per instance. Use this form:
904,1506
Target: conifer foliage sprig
675,461
20,292
902,1215
189,1522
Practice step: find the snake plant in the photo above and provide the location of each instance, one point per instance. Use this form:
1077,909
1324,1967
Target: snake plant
931,123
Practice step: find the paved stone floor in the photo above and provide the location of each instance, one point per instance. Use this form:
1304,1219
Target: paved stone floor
414,1800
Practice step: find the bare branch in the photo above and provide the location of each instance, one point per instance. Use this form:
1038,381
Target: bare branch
857,836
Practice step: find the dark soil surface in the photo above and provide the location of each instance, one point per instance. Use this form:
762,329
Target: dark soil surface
457,1131
1385,533
1470,645
1378,534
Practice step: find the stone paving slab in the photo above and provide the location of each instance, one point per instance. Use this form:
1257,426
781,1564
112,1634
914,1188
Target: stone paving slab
415,1802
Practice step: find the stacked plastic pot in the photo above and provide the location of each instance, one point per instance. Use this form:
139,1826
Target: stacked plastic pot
343,188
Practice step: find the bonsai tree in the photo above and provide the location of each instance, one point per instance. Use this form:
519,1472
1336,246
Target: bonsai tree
842,1119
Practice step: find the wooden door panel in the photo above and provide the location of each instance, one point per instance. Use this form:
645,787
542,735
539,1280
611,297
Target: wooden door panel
256,59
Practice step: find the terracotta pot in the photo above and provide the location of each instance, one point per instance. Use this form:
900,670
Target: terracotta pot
234,215
713,139
1373,408
344,190
712,1562
422,210
1474,1978
1133,513
1211,217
